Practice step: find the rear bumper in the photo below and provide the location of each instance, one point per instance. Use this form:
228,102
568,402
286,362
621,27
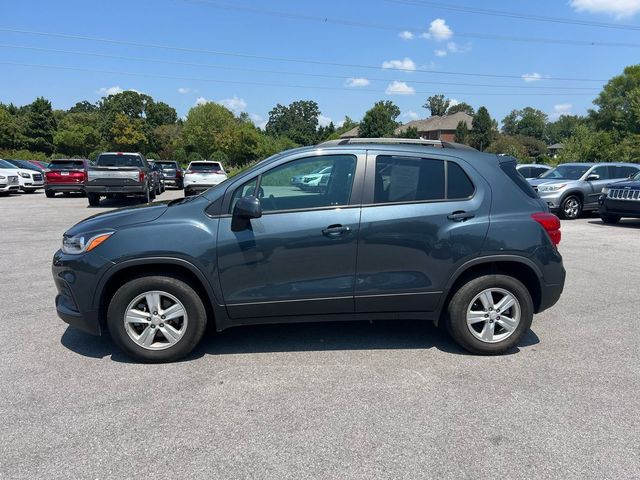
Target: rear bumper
115,189
197,187
64,187
549,296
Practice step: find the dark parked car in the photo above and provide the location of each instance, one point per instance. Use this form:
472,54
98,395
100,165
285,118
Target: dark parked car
620,199
403,230
66,176
173,173
27,165
158,177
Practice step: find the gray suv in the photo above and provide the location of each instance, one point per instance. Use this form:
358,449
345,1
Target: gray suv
573,188
404,229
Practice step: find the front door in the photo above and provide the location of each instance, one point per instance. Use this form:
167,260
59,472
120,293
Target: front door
299,258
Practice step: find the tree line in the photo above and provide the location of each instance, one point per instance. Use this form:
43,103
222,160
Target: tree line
133,121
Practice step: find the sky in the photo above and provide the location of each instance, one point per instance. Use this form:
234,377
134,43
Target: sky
345,55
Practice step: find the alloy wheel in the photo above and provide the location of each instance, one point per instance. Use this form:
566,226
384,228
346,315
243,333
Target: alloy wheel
493,315
571,207
155,320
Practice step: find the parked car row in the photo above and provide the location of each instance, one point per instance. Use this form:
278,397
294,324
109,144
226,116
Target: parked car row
18,177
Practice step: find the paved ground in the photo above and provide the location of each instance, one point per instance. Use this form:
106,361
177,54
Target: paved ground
387,400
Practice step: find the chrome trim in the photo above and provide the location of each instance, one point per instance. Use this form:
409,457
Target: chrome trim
624,194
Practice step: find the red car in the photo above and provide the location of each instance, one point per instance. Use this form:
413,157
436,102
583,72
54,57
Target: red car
67,175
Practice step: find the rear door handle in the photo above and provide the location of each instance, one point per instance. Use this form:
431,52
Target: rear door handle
460,216
333,231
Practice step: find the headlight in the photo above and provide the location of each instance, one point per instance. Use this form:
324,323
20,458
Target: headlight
605,190
83,243
25,175
2,177
551,188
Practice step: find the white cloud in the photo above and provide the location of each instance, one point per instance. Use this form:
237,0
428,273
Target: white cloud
453,102
406,35
406,64
258,120
184,90
453,47
110,90
410,115
617,8
533,77
399,88
438,30
440,53
324,121
357,82
235,104
201,101
560,109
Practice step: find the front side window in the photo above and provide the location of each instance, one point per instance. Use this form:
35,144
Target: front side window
306,183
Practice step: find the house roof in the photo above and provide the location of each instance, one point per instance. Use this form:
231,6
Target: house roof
353,133
445,122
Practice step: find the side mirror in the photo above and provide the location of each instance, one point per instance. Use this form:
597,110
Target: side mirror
247,208
593,177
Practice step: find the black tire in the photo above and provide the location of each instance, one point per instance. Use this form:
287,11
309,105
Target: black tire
180,186
94,199
610,219
571,207
50,193
461,300
196,313
146,196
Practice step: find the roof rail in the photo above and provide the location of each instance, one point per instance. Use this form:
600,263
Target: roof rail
396,141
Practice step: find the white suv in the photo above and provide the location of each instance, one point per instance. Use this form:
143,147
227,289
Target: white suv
9,177
202,175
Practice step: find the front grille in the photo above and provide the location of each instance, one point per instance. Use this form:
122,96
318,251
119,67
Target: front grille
624,194
37,177
13,180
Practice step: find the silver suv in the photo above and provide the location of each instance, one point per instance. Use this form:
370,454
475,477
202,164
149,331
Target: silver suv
573,188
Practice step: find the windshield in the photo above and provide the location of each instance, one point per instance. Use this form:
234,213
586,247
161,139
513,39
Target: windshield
5,164
566,172
636,176
206,167
66,165
119,160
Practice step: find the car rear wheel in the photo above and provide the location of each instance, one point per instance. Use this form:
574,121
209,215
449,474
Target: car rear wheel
610,219
94,200
156,318
146,196
571,208
489,314
50,193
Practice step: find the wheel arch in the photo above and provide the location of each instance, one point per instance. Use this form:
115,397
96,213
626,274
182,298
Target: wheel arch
120,273
520,268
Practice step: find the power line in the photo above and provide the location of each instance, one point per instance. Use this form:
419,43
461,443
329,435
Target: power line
280,72
516,15
397,28
264,84
277,59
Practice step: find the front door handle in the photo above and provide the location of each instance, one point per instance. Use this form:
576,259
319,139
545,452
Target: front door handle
334,231
460,216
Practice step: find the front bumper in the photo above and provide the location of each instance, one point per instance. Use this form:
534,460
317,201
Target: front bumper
621,208
31,185
4,188
552,199
76,278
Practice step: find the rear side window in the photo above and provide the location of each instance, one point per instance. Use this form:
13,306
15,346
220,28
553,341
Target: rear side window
510,169
402,179
623,171
115,160
66,165
537,171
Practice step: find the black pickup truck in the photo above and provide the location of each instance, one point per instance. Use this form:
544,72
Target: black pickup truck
119,174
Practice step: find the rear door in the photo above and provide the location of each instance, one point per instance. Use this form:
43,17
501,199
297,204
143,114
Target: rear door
422,217
299,258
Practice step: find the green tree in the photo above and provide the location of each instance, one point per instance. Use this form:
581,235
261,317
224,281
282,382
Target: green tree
11,129
160,113
204,126
508,145
298,121
462,132
529,122
482,129
165,139
380,121
562,128
437,105
40,125
128,133
619,103
78,134
84,107
461,107
410,132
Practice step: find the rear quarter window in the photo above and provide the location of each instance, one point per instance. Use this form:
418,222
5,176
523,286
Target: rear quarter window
510,169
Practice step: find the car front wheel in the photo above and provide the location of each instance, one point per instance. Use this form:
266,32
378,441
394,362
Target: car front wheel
571,207
156,318
610,219
94,200
489,314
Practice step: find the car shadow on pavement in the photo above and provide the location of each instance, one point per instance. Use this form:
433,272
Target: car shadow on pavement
624,223
299,337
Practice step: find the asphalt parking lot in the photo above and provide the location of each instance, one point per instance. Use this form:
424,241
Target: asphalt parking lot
352,400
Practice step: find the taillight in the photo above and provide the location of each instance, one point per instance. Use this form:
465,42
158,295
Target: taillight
178,174
141,177
551,225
